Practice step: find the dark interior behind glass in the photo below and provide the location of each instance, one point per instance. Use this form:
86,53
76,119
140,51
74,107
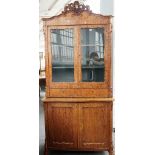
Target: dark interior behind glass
62,55
92,45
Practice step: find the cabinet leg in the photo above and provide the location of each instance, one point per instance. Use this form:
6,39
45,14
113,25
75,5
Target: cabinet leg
45,148
111,151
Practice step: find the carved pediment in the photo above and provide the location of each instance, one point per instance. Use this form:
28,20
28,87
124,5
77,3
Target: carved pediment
76,8
77,14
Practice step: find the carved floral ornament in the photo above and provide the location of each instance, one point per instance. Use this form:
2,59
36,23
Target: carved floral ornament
76,8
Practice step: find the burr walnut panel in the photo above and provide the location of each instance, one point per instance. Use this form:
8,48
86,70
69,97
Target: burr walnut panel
81,92
94,125
62,125
80,125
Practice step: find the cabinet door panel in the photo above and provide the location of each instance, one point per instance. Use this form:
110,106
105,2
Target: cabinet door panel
95,128
62,125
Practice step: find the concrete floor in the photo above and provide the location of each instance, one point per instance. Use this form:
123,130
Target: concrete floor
42,136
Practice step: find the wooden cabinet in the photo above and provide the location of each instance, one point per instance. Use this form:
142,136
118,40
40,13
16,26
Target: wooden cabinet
78,103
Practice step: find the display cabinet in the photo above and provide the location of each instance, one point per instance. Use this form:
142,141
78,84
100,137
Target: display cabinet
79,101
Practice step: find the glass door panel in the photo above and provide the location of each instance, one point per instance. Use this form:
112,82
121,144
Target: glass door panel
92,46
62,55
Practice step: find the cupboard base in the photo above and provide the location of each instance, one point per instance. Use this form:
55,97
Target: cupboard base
77,125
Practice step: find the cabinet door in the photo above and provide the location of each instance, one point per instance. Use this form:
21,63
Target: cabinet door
95,125
62,125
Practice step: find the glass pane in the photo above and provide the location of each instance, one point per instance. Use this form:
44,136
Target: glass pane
92,44
62,55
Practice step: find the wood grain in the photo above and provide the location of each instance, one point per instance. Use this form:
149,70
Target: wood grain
77,100
83,126
62,125
94,125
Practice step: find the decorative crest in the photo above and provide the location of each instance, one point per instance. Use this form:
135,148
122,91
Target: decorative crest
76,8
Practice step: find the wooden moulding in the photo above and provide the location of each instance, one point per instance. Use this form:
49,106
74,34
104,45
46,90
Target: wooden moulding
79,149
101,93
77,100
85,19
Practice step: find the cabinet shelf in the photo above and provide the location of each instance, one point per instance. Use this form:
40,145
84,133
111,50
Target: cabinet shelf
92,45
66,67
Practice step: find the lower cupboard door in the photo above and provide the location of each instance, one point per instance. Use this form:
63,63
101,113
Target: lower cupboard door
62,125
95,125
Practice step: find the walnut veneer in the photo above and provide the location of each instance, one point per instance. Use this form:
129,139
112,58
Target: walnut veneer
78,114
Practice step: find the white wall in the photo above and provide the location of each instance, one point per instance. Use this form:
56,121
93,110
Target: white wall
94,5
106,7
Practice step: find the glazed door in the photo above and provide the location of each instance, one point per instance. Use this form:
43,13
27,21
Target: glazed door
63,57
94,50
62,125
95,125
78,59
